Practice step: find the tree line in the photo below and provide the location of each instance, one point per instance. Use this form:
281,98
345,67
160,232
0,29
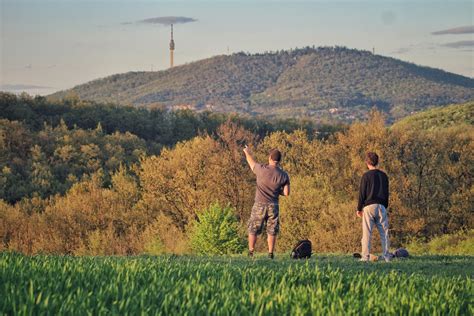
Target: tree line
149,203
49,145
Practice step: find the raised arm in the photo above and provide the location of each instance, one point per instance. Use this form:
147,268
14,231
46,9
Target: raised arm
249,157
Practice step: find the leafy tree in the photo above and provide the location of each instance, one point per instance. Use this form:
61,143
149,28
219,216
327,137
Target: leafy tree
216,232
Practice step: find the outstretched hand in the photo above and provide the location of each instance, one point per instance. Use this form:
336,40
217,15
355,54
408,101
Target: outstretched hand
359,213
247,150
249,158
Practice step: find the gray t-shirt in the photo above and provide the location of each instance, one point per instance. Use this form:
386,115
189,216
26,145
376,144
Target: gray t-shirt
270,182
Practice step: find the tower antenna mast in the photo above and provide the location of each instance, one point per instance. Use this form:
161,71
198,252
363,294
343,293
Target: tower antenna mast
171,48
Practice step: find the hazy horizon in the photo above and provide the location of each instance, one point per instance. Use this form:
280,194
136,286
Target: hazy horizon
53,45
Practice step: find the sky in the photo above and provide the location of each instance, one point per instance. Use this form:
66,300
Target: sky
51,45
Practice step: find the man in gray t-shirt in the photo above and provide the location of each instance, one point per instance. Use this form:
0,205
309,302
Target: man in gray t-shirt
272,182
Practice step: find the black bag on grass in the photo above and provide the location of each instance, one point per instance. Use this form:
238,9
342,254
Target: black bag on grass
302,250
401,253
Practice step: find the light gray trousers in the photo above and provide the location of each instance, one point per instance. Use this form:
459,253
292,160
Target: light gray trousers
374,214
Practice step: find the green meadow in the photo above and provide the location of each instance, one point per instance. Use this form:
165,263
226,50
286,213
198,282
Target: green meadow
234,285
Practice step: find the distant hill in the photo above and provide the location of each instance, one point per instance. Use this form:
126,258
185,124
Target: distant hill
327,82
444,117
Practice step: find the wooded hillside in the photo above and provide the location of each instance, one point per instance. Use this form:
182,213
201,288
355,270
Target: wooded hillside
326,82
455,115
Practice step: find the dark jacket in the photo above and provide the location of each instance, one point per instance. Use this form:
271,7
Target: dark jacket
373,189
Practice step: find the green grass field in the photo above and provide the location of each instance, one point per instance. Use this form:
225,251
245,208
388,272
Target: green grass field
189,285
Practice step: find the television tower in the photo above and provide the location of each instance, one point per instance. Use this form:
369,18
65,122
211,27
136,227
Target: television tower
171,48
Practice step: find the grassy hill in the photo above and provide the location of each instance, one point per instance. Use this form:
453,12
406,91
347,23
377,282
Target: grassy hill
327,82
448,116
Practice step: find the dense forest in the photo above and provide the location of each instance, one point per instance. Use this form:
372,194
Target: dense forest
70,138
325,82
75,180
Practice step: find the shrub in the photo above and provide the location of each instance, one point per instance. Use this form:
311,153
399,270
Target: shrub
216,232
337,229
461,243
163,236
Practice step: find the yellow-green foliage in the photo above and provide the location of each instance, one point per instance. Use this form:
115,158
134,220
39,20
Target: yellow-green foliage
456,115
461,243
151,205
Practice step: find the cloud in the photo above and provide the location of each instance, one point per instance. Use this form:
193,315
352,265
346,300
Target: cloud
460,44
403,50
164,20
415,47
21,87
465,46
167,20
456,30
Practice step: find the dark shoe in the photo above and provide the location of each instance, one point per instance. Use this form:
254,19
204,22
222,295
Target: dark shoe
250,253
270,255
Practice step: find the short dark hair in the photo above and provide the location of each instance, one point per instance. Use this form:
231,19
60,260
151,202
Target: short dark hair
275,155
372,158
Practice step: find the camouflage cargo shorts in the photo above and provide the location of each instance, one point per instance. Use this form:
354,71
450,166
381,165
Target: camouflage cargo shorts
264,214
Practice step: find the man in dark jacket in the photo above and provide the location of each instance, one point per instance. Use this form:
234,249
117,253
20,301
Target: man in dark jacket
372,207
272,182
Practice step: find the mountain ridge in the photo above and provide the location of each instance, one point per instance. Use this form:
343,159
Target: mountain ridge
330,82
